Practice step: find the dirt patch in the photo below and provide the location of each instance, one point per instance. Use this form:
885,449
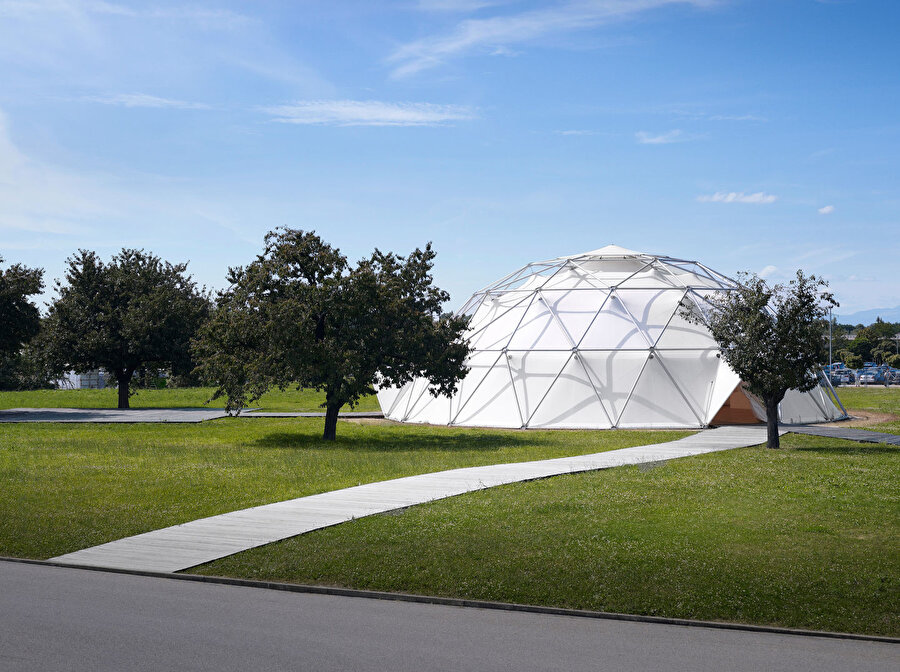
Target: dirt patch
863,418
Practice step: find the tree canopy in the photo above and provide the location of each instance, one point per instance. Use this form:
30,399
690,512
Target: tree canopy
301,315
132,312
773,337
20,319
19,323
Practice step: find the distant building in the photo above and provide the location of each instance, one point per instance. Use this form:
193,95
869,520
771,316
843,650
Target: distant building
97,379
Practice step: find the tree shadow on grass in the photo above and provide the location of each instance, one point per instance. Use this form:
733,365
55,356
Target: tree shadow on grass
398,442
849,448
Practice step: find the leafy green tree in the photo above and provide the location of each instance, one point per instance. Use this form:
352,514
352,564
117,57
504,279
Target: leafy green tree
301,315
882,330
135,311
883,350
839,340
25,369
863,344
19,318
852,361
893,361
773,337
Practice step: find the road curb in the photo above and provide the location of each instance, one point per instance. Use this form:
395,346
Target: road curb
460,602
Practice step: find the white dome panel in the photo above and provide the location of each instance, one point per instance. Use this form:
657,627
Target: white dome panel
614,374
572,401
533,373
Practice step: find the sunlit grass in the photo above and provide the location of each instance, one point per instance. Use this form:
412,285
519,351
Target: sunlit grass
66,487
189,397
878,399
807,536
804,537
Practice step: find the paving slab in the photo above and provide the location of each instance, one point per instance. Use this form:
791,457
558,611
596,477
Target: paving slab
102,415
133,415
309,414
183,546
850,434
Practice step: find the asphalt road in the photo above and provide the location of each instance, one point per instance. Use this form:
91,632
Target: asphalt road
55,618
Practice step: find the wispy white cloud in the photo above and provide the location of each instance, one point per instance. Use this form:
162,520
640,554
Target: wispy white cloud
266,60
767,271
205,17
519,28
818,258
48,206
39,198
667,138
821,153
144,100
696,111
826,210
460,6
368,113
577,132
736,117
760,197
76,43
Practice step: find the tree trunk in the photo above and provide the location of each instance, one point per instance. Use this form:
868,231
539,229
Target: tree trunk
124,380
331,417
773,440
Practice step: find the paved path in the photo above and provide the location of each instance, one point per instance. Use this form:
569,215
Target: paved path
274,414
182,546
849,433
132,415
55,618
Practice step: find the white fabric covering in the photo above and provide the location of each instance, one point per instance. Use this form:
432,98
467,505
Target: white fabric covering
594,340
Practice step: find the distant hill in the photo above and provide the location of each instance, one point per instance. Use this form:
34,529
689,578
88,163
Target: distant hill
869,316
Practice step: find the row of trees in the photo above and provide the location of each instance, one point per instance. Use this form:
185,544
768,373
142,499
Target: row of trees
299,314
134,312
873,343
20,321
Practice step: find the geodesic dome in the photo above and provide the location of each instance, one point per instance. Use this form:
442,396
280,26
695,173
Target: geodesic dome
597,340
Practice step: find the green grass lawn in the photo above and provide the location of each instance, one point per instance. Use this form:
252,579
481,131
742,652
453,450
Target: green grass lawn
275,400
66,487
803,537
807,537
876,398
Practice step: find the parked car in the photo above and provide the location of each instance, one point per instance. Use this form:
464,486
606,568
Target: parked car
842,377
871,377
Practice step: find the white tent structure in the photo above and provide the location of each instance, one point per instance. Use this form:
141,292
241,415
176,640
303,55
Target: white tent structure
597,340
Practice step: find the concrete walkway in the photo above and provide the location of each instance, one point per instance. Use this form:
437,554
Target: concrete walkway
310,414
182,546
129,415
849,433
132,415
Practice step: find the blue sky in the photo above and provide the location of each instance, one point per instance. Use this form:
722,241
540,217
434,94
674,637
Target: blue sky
748,134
